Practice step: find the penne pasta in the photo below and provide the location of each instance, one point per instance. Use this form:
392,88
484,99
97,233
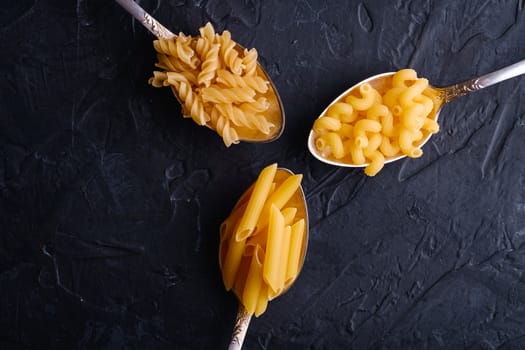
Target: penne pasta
262,302
254,281
256,240
279,198
297,233
289,215
272,258
256,202
283,258
258,267
232,262
240,279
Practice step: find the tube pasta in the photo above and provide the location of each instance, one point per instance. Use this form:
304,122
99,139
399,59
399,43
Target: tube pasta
366,100
283,261
327,124
361,128
406,143
334,143
289,215
256,203
254,281
342,111
377,163
374,141
207,70
260,265
272,258
296,245
406,98
388,148
403,78
280,197
256,241
368,125
262,302
412,118
232,262
241,276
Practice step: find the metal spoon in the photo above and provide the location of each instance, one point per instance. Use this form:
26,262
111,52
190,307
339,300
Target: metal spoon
242,320
276,112
445,95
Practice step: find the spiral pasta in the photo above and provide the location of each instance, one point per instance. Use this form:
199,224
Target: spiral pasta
249,61
231,56
217,84
192,105
209,66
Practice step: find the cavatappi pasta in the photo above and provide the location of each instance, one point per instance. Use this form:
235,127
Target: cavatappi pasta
369,124
262,242
219,86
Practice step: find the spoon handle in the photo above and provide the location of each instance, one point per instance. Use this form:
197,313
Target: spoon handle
146,19
242,321
489,79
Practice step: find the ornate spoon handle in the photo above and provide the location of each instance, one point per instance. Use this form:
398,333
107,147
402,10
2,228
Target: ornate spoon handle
146,19
476,84
242,322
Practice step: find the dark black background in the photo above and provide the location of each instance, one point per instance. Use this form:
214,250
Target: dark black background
110,201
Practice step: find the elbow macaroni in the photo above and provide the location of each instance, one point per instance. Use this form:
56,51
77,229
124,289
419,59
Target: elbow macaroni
368,126
262,242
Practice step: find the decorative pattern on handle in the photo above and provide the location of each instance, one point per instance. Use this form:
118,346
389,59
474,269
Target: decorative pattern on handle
463,89
484,81
156,28
242,322
146,19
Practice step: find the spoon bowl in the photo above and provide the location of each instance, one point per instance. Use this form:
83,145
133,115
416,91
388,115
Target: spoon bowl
243,318
443,95
275,113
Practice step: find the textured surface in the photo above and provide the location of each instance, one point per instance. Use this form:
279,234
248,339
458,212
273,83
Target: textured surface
110,202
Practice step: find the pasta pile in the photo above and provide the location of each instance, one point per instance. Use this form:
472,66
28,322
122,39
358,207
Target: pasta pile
262,242
218,86
369,125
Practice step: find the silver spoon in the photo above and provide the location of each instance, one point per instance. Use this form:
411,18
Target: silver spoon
243,318
276,111
445,95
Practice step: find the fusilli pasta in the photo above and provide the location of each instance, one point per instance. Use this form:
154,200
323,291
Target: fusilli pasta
217,84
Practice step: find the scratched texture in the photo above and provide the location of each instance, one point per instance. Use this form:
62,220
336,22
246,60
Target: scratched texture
110,202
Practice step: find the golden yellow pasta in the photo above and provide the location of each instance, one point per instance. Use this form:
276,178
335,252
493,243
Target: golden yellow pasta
264,260
256,202
280,197
295,250
232,261
274,245
371,124
262,303
207,70
254,282
289,215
